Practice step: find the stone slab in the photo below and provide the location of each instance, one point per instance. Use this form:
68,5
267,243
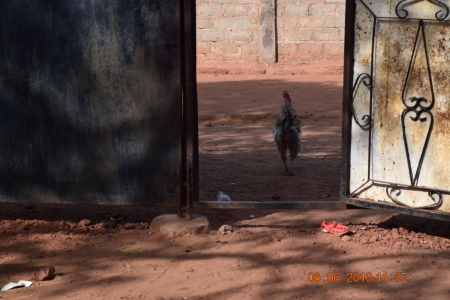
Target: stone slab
171,225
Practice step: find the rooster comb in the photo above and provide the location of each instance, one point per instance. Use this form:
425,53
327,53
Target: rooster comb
286,95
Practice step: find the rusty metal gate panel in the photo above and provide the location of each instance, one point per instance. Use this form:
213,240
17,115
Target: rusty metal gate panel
90,101
397,106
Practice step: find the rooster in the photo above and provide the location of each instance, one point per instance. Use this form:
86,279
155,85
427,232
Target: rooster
287,133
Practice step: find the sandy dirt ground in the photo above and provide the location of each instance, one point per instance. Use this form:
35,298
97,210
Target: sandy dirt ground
109,252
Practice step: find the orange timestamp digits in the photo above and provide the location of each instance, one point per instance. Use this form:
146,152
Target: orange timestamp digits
352,277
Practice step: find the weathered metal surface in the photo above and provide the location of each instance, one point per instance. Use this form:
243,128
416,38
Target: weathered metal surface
399,107
190,111
90,101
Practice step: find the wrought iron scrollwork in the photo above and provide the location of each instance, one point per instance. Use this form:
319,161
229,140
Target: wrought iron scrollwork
415,112
366,120
419,107
394,191
418,110
402,13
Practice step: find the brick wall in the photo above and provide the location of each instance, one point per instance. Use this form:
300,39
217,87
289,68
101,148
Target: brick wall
305,30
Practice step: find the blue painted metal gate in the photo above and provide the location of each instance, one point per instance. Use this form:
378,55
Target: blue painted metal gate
91,101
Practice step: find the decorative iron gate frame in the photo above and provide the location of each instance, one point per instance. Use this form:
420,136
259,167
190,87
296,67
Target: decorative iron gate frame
417,108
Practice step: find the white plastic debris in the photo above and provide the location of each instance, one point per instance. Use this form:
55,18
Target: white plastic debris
223,197
20,283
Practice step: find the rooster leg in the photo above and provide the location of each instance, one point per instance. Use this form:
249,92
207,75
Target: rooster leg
289,172
283,154
286,171
283,158
292,155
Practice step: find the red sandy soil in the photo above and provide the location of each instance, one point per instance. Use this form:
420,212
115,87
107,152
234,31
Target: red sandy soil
270,254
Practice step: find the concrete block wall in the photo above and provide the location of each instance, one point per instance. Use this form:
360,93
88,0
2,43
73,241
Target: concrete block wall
227,30
310,30
236,30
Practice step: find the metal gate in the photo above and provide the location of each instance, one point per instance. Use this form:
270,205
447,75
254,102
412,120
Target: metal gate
397,107
93,98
